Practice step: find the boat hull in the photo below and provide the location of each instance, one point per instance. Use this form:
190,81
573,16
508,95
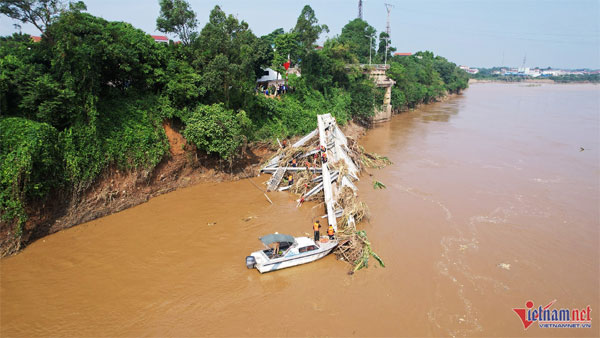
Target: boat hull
293,256
273,266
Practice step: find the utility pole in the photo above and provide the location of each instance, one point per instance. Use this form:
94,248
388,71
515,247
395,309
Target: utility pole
387,42
370,47
360,9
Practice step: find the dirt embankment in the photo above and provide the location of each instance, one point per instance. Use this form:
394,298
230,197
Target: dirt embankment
116,190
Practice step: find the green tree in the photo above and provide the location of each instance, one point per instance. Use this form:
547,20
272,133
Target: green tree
384,39
229,57
176,16
356,35
286,45
270,38
307,29
40,13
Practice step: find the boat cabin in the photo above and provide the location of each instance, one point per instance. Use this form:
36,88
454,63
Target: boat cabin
285,248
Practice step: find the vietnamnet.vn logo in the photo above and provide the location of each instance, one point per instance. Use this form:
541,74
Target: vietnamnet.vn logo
554,318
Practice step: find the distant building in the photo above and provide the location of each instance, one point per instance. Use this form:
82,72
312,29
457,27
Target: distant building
402,54
160,38
469,69
36,38
318,47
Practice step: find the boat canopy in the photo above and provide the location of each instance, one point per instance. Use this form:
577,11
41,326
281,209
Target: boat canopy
273,238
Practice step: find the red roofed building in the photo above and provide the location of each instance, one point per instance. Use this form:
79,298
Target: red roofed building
160,38
36,38
402,54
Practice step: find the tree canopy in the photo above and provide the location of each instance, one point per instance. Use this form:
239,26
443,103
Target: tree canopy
356,34
176,16
307,29
40,13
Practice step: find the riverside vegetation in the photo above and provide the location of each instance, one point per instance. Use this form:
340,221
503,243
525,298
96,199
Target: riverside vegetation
93,94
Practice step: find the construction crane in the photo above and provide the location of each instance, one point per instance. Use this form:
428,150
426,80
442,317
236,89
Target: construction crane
360,9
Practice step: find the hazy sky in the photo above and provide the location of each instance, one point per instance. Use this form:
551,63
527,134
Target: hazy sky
482,33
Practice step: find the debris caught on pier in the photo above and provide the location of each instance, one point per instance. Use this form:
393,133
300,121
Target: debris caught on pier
322,166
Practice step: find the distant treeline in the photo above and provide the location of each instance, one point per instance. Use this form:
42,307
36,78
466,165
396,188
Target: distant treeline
94,93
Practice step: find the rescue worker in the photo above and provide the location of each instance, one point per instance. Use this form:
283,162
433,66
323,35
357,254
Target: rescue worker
290,179
294,163
316,227
330,231
324,158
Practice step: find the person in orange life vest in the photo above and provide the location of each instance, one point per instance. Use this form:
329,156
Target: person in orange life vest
324,158
330,231
290,179
294,163
316,227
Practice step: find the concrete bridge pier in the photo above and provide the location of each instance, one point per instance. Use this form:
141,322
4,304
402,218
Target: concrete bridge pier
377,73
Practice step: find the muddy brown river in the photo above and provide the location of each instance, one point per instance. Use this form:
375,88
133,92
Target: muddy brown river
490,203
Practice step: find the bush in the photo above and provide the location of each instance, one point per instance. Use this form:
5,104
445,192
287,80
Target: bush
216,130
30,163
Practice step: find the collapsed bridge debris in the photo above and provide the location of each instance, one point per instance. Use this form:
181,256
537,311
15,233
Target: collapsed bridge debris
321,166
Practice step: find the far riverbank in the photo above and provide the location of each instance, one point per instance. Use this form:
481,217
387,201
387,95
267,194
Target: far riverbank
538,81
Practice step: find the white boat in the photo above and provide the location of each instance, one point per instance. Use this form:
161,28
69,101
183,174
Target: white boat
287,251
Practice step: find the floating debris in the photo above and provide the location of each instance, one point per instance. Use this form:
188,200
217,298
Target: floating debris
504,266
378,185
373,160
211,224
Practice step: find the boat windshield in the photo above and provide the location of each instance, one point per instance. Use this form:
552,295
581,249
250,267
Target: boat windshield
278,249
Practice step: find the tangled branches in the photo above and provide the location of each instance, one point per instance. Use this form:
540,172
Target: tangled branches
373,160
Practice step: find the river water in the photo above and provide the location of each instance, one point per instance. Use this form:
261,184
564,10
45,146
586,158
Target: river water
490,203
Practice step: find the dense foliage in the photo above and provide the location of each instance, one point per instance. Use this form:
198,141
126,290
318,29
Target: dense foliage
422,78
95,93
